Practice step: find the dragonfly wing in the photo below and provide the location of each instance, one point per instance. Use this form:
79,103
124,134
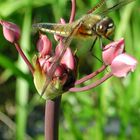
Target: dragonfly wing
115,7
66,42
96,7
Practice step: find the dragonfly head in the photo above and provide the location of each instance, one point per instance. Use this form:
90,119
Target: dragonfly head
105,27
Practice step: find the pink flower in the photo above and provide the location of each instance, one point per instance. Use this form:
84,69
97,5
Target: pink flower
11,31
120,62
112,50
123,64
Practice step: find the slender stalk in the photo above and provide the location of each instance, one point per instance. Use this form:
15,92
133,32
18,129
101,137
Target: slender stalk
24,57
53,106
93,85
22,87
73,9
90,75
52,118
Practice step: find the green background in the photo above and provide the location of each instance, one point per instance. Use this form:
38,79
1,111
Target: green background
110,111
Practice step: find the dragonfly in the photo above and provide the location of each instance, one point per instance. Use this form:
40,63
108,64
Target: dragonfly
93,24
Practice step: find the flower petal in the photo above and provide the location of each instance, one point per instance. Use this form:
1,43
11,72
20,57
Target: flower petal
112,50
123,64
59,48
59,71
44,45
68,59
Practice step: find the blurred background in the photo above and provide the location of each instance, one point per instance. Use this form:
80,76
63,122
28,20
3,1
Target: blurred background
110,111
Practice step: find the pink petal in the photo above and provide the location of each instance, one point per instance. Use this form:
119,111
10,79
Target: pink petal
42,60
59,48
44,45
62,21
68,59
11,31
46,66
59,71
112,50
123,64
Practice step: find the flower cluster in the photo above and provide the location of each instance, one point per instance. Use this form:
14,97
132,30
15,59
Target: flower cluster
61,78
65,73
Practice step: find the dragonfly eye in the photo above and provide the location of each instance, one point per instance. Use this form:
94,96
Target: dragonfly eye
101,27
110,28
105,27
111,25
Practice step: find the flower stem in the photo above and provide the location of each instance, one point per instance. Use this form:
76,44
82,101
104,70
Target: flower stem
98,82
24,57
52,118
73,8
90,75
53,106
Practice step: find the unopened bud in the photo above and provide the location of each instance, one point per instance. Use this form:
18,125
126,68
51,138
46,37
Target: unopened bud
11,31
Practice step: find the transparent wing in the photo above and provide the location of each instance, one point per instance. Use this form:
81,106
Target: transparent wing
115,7
100,4
95,9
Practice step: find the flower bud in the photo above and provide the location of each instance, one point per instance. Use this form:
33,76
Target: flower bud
44,45
54,87
11,31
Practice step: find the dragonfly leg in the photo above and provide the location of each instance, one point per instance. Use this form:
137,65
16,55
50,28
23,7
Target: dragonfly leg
97,58
93,44
91,48
108,38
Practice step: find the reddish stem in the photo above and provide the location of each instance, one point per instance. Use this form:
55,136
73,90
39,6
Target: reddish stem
52,118
93,85
73,9
53,106
24,57
90,75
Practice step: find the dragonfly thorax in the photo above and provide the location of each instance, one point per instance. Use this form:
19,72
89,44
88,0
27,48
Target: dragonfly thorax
105,27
